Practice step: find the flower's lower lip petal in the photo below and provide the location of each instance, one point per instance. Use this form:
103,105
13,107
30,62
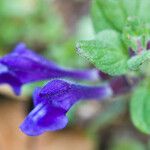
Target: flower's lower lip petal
60,123
27,128
44,118
3,68
32,130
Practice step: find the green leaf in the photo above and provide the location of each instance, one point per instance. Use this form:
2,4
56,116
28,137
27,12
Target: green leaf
112,13
140,107
106,52
135,62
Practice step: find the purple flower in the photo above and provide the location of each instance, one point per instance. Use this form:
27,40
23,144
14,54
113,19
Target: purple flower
54,100
24,66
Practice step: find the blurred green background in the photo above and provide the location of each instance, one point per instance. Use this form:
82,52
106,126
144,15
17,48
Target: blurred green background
51,27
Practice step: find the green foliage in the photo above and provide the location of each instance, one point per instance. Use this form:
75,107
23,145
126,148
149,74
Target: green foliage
121,17
135,62
29,21
140,107
106,52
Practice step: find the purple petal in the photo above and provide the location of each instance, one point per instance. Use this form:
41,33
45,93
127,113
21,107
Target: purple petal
94,92
44,118
3,68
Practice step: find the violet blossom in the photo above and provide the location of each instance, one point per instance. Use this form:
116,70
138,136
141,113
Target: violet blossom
24,66
54,100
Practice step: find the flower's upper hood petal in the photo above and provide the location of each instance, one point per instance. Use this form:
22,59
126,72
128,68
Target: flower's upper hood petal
44,118
58,93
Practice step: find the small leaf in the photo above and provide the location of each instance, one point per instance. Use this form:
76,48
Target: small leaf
140,107
135,62
106,52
